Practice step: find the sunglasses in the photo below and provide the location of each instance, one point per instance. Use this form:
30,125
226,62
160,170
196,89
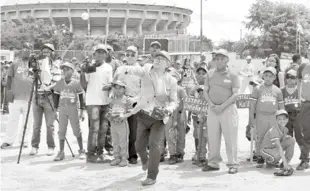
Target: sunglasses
290,77
130,55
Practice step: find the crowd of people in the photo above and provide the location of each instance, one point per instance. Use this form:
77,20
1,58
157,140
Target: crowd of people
135,107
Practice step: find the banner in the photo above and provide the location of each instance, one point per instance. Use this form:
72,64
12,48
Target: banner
197,105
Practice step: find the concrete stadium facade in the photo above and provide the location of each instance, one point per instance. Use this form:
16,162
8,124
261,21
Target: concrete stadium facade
104,18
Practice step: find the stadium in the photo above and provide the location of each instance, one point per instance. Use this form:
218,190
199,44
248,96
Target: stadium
102,17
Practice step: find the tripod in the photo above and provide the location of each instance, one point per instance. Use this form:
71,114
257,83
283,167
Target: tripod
34,87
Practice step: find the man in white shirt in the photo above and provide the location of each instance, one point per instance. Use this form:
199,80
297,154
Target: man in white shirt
97,103
247,73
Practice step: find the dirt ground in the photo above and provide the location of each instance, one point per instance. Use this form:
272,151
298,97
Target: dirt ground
40,173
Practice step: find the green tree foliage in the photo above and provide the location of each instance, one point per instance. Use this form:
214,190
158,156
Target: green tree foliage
277,22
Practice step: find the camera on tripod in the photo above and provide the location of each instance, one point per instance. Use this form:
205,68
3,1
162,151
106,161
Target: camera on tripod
88,67
33,63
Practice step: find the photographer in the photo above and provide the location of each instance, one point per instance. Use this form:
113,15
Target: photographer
19,85
97,76
49,73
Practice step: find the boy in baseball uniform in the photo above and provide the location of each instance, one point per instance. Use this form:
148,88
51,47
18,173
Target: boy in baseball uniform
68,99
291,100
277,145
266,100
119,106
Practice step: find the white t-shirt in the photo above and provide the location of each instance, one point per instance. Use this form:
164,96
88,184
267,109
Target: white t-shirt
96,81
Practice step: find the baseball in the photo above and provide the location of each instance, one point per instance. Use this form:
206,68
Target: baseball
85,16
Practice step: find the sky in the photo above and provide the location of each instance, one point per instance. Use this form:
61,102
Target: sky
222,19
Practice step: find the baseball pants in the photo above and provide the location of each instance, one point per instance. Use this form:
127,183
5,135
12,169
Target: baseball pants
272,155
120,133
18,114
226,123
263,124
69,113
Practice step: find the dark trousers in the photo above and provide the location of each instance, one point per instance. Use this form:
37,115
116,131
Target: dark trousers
108,139
132,122
150,132
4,102
303,125
98,128
292,123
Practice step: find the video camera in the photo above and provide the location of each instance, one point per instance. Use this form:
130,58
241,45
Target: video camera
88,67
33,63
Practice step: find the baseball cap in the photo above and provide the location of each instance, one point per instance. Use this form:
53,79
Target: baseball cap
163,54
140,58
67,64
255,80
222,52
248,58
213,52
100,47
49,46
120,83
74,58
178,62
132,48
292,72
156,43
201,68
281,112
271,69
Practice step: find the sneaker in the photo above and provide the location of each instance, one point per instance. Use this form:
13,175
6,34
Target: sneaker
180,158
123,163
60,156
5,145
33,151
133,161
172,160
148,182
195,158
233,170
115,161
50,152
209,168
255,158
82,155
303,165
162,158
202,162
101,158
91,158
260,160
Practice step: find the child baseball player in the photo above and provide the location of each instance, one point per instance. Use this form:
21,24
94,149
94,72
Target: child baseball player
69,100
176,138
277,145
266,100
199,118
119,106
291,99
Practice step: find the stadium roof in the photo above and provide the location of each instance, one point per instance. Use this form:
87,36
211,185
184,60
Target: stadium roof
149,2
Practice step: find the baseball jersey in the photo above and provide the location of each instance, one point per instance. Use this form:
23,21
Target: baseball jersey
291,101
118,107
275,133
303,74
68,92
268,99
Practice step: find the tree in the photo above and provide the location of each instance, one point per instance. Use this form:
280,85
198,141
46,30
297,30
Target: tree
277,23
207,44
36,32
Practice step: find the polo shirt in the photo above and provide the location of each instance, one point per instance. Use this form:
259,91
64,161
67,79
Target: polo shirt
303,74
221,85
96,81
